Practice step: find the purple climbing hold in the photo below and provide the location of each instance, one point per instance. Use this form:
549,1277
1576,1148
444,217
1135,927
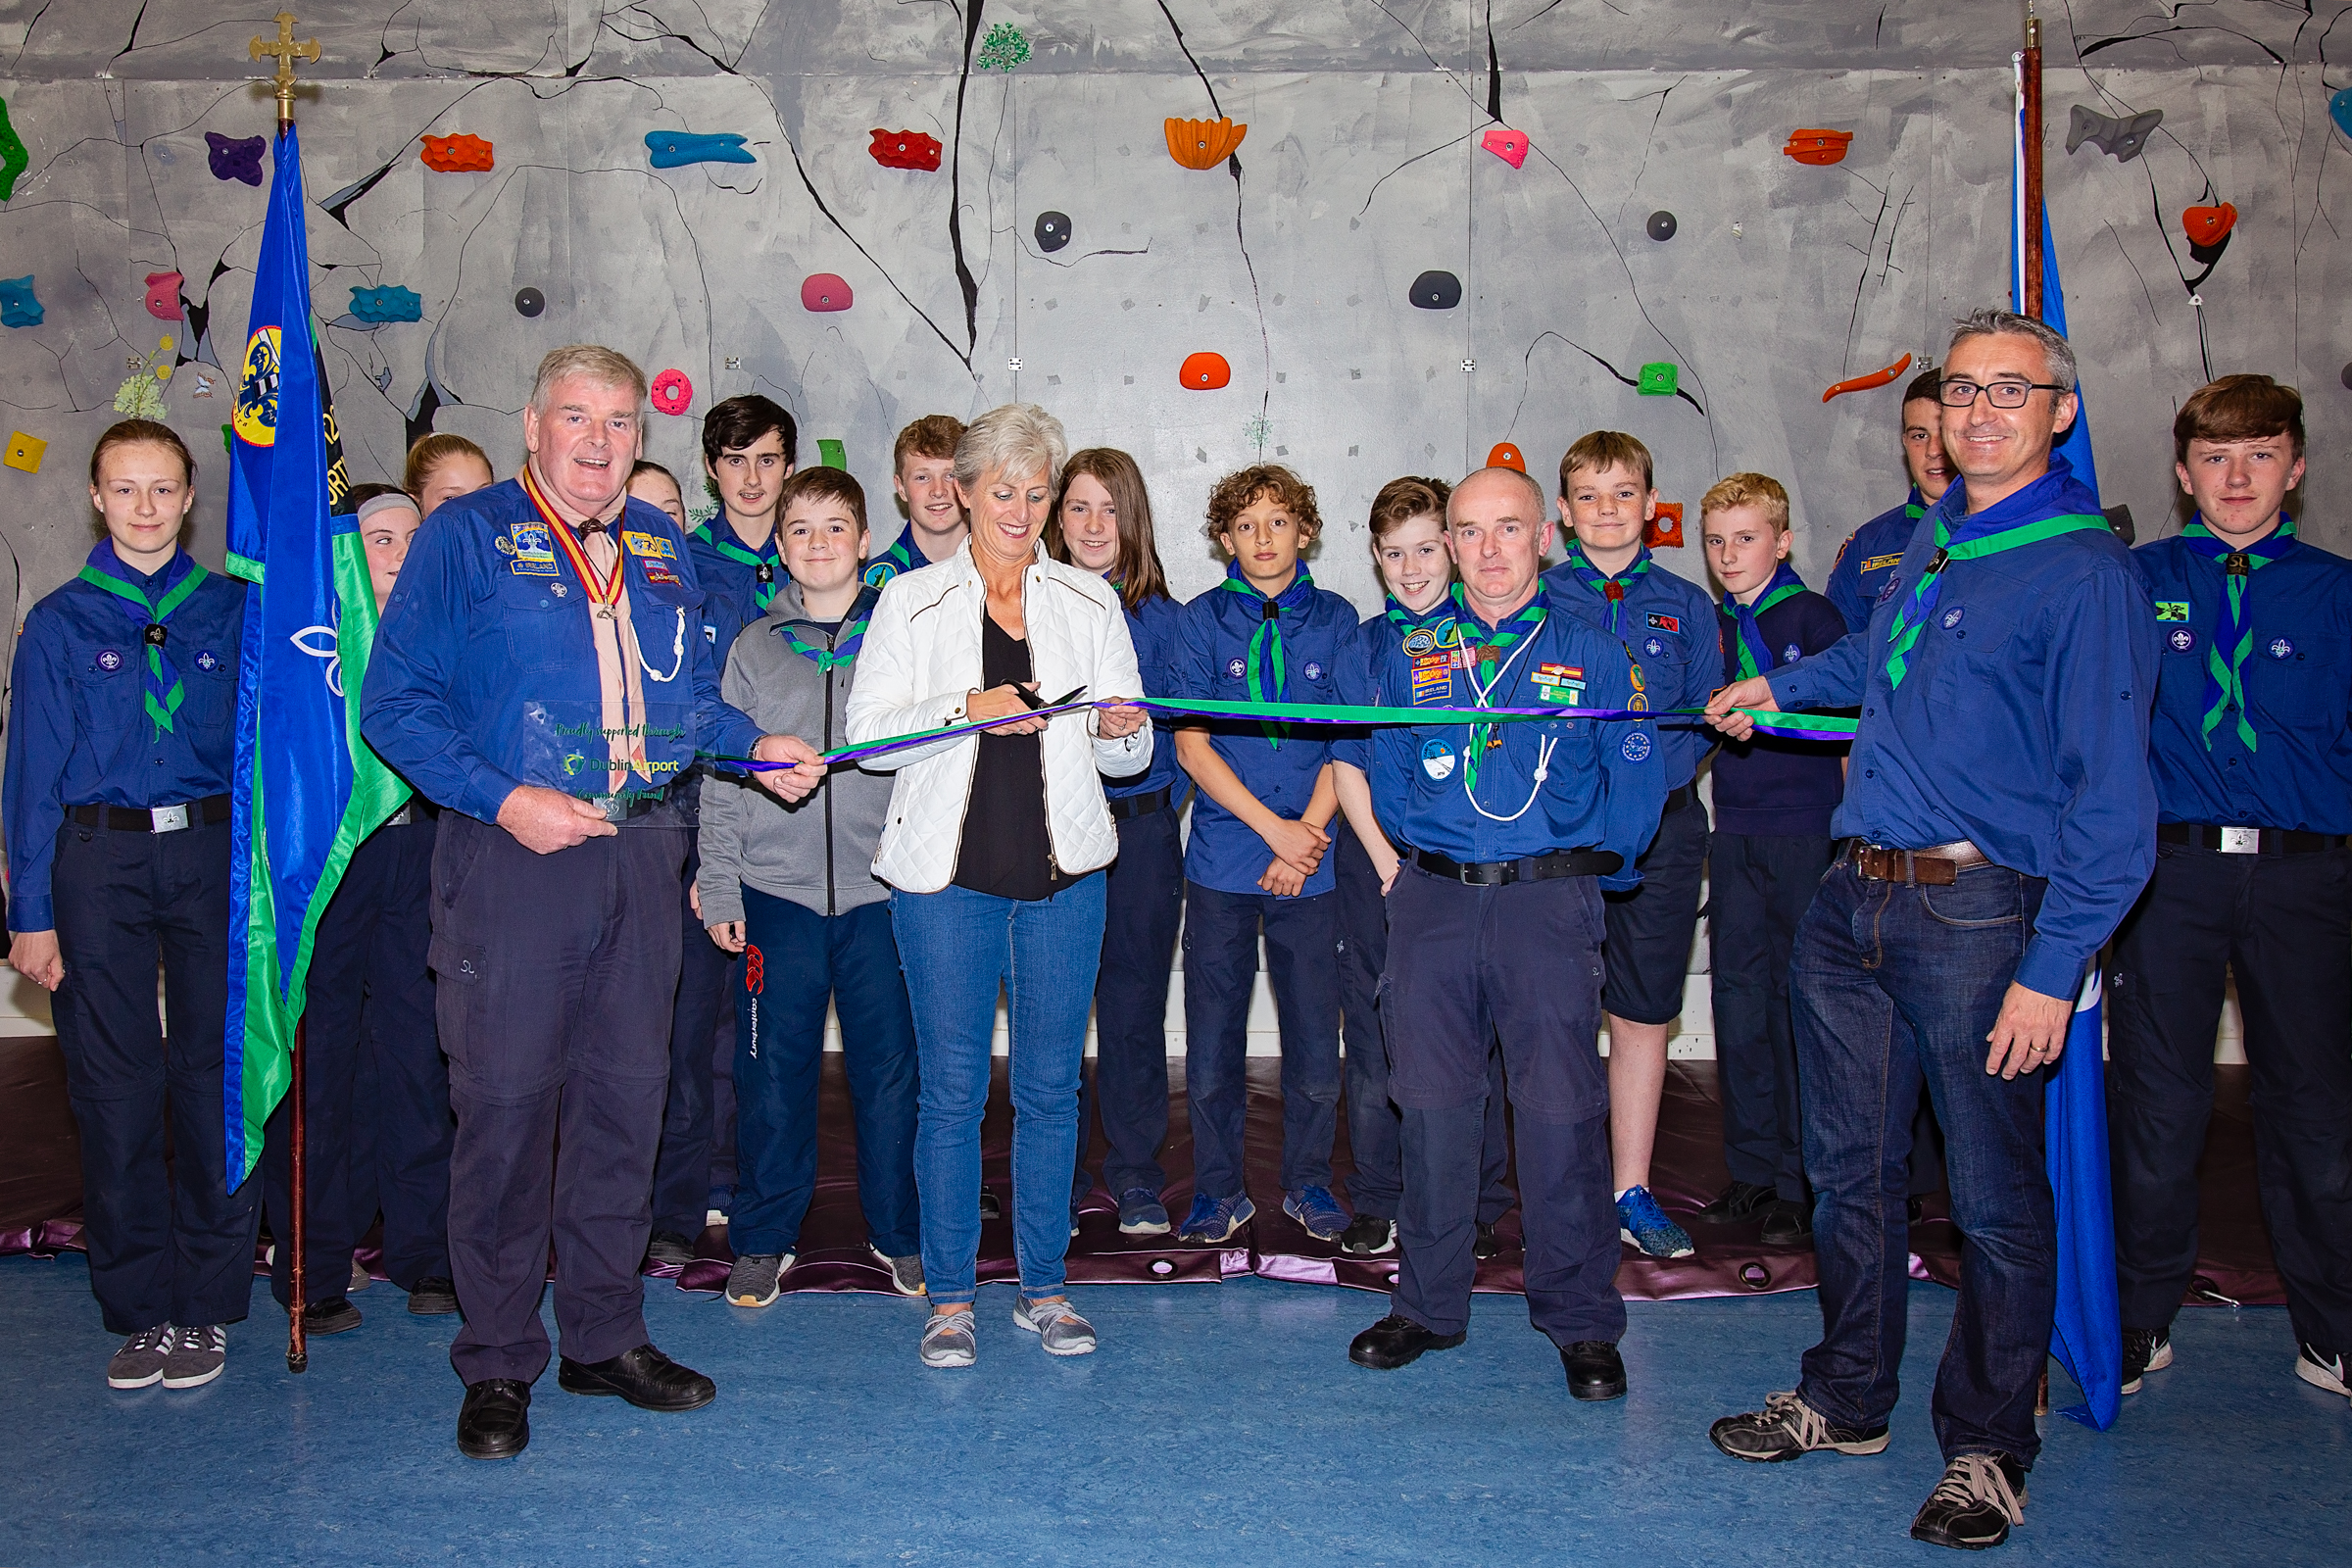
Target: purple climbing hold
235,158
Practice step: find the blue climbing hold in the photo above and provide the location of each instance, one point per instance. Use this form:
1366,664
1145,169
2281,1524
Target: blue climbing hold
18,306
391,302
2340,110
673,149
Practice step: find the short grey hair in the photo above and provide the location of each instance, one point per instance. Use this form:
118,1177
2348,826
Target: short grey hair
2007,324
1539,506
1019,439
593,363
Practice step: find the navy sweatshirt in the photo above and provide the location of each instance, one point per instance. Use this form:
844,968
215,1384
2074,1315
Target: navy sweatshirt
1771,785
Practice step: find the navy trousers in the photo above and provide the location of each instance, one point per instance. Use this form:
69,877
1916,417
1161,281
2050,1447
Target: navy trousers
165,1244
556,978
377,1124
1220,970
1467,965
1760,889
797,961
1375,1126
1143,907
2283,925
682,1169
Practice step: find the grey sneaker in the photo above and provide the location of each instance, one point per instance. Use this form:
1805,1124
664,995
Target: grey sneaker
948,1340
1062,1331
140,1361
753,1280
905,1273
196,1357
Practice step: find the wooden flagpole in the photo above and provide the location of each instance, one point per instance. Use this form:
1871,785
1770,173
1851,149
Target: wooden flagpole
2030,221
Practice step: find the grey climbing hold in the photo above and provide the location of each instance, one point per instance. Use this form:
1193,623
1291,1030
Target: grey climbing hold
1052,230
1661,225
1437,291
529,301
2122,135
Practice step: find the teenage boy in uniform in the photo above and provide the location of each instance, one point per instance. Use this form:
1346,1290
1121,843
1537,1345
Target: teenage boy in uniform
1866,561
923,478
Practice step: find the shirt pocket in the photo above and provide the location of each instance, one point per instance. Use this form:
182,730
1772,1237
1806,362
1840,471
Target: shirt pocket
542,631
108,680
2304,676
209,698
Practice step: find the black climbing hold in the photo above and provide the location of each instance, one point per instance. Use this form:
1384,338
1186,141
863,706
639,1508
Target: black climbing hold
529,301
1661,225
1437,291
1052,230
2347,378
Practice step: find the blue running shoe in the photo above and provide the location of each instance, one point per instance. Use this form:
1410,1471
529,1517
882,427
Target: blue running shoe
1641,1221
1141,1213
1318,1212
1215,1220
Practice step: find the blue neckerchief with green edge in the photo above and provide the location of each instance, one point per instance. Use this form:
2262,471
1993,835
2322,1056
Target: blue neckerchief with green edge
1612,589
1903,632
2232,636
1268,672
846,642
1437,617
902,556
182,576
1755,657
767,572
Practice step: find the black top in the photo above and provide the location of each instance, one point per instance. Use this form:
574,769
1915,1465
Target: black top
1005,850
1774,785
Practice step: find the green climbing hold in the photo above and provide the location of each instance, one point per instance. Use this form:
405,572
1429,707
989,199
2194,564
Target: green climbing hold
1658,380
1003,49
13,159
229,442
832,455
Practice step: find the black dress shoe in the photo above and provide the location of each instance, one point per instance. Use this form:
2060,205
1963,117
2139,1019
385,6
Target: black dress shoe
1486,1246
495,1421
334,1315
1788,1222
668,1247
1736,1202
990,1209
644,1377
435,1296
1595,1371
1395,1342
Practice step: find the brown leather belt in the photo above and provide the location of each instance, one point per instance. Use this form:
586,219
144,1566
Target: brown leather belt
1938,867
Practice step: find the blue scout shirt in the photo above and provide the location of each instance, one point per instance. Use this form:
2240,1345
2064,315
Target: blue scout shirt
1866,561
1212,662
2298,685
1157,631
904,554
735,592
1773,784
484,673
2022,723
1668,627
1549,785
78,731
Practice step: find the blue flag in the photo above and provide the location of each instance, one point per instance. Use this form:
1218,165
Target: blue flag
307,798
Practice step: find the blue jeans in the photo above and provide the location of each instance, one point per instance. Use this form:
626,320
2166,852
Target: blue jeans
1220,971
1870,957
958,947
807,959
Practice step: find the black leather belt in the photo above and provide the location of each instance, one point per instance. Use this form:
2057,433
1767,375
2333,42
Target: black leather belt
153,818
2248,840
1132,806
1535,868
1676,800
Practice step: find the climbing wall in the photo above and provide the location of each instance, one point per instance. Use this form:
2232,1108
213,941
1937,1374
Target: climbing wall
1360,238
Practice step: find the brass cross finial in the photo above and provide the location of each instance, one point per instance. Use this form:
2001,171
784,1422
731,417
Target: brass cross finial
285,51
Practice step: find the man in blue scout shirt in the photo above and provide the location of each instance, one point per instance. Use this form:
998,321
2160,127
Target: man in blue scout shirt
1866,561
1667,625
536,676
1508,833
923,478
1999,795
1256,858
2253,761
120,749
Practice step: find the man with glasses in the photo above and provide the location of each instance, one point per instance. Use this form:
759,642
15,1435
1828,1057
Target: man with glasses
2000,798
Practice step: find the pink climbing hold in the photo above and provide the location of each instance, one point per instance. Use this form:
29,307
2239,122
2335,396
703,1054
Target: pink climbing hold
825,291
163,295
1506,145
672,392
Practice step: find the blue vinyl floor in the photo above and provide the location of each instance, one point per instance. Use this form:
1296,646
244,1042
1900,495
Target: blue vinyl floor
1220,1424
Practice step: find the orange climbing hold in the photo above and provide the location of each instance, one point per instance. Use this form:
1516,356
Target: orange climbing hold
1203,143
1204,371
1818,146
1666,528
1506,456
2208,225
455,155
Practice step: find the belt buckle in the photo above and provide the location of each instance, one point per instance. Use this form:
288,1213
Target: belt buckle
2241,841
615,807
167,819
401,817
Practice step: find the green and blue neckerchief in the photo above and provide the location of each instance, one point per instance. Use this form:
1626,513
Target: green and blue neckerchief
1612,589
902,556
1268,672
1909,621
2233,633
767,572
1438,616
1755,657
1483,647
181,577
846,642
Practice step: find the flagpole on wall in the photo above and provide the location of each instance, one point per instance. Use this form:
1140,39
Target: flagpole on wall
286,51
2030,226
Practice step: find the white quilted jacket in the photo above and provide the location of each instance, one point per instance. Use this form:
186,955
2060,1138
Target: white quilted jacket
921,663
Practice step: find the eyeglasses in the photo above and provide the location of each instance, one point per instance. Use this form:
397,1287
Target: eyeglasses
2004,394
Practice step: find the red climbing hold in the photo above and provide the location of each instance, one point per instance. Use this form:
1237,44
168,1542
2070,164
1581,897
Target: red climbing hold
2208,225
1506,456
455,155
1204,371
904,149
1818,146
1506,145
825,291
672,393
1666,528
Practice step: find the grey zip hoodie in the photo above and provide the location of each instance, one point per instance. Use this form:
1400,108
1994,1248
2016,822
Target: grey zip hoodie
818,853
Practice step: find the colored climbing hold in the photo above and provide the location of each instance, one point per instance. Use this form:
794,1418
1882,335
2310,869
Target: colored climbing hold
832,453
2340,110
1204,371
390,303
529,301
1003,49
1661,226
462,153
1052,231
24,452
2208,226
19,306
1866,384
235,158
1503,455
1817,147
672,392
2346,377
13,159
163,295
674,149
1435,291
1658,380
825,291
904,149
1203,143
1666,528
1506,145
2121,136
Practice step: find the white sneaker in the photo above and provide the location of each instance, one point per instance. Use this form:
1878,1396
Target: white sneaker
949,1340
2321,1369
